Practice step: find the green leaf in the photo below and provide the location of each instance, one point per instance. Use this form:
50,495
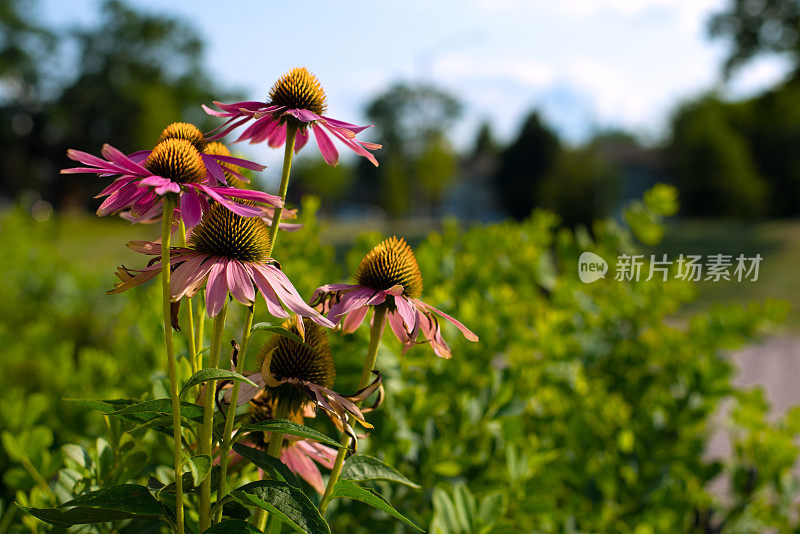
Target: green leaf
288,504
13,447
282,426
465,506
206,375
276,330
161,407
492,508
349,489
232,526
76,516
444,510
129,498
273,466
200,467
363,467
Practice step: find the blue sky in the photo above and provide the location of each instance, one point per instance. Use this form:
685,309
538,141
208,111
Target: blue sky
587,64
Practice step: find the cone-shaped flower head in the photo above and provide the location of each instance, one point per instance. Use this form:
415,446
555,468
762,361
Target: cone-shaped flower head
299,370
228,253
186,131
299,98
175,166
388,276
391,263
283,358
177,160
222,233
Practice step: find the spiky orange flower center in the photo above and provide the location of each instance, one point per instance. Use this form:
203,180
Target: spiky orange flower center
311,361
177,160
223,233
390,263
186,131
298,88
215,148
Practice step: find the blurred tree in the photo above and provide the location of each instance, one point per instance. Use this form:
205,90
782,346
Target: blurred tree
524,164
485,143
312,176
412,121
436,167
135,72
755,27
24,48
713,162
581,186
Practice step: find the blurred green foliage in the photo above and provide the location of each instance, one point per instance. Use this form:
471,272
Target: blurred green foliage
583,408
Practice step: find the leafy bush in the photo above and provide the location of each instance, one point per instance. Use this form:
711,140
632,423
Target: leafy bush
585,407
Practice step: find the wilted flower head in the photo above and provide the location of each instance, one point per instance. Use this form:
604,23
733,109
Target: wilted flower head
297,97
295,373
389,276
229,254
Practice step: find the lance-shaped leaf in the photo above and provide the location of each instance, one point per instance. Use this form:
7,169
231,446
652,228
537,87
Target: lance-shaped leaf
350,490
191,411
285,502
232,526
76,516
207,375
363,467
199,467
282,426
129,498
276,469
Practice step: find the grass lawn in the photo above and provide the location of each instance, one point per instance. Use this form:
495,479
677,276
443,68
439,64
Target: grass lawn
778,242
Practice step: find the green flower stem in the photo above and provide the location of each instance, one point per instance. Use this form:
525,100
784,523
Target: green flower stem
172,364
207,435
291,135
190,336
231,413
375,333
200,331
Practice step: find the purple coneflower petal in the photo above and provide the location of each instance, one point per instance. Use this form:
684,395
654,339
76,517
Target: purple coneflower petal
345,125
296,460
303,115
216,287
274,306
115,185
464,330
239,283
325,456
354,299
120,159
119,199
406,310
354,319
191,207
266,131
239,209
256,128
355,147
300,141
187,277
278,136
289,295
326,148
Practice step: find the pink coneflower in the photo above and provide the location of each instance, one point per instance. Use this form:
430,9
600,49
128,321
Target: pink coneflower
389,275
174,166
297,96
228,253
294,374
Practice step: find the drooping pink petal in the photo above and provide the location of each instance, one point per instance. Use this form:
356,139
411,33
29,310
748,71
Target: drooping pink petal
300,141
278,136
290,297
120,199
323,455
345,125
255,129
246,391
239,283
215,170
216,287
464,330
189,275
300,464
406,311
239,209
355,147
354,319
249,194
326,148
191,208
240,162
352,300
116,185
274,306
